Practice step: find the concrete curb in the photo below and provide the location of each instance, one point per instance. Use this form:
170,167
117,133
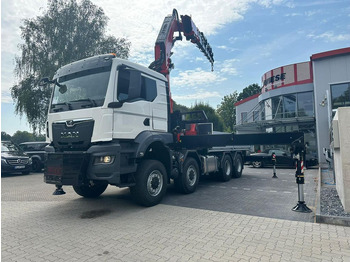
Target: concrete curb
325,219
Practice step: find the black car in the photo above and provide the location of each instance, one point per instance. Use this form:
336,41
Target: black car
36,150
14,160
282,159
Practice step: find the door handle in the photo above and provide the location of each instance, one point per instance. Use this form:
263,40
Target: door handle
146,122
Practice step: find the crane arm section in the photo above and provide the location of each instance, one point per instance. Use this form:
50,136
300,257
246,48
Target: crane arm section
167,38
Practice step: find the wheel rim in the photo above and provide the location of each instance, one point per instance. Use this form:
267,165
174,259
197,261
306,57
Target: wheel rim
256,164
227,168
155,183
239,166
191,175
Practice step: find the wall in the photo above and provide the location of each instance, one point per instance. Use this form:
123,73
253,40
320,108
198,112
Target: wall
341,127
327,71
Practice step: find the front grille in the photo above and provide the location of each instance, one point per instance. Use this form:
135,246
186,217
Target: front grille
17,161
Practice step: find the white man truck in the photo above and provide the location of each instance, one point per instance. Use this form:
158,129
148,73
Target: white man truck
110,122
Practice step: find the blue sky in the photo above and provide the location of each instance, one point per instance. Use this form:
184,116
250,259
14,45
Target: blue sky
248,37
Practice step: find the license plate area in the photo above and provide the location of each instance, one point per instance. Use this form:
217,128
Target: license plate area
68,168
19,167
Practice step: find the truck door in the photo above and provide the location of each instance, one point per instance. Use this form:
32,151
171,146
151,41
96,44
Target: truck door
133,115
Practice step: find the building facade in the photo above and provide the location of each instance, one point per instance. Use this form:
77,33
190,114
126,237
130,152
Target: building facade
300,97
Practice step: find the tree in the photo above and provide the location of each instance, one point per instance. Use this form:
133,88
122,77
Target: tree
179,107
5,136
213,117
227,111
249,91
22,136
66,32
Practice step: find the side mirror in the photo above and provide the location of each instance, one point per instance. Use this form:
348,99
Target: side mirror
115,104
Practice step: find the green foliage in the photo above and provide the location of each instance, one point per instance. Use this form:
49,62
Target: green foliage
68,31
21,136
213,117
249,91
178,107
5,136
227,111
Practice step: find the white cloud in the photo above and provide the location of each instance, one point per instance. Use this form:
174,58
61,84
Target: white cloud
195,78
199,95
330,37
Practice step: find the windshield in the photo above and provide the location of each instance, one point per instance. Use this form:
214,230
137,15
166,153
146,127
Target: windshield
80,90
9,147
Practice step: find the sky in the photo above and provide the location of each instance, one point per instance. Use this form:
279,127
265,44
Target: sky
248,38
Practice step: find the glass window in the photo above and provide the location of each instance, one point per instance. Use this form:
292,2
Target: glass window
305,104
289,104
244,117
277,107
123,85
255,115
340,95
148,89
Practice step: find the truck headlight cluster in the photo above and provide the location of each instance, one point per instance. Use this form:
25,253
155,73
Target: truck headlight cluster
3,161
104,160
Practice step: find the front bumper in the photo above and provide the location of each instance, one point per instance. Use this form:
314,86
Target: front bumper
7,169
76,168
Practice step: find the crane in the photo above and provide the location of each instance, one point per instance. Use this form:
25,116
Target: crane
167,38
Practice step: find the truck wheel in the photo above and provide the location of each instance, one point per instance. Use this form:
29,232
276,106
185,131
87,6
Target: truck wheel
227,169
36,166
151,183
188,180
257,164
91,191
238,166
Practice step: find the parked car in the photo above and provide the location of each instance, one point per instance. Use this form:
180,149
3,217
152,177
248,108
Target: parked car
36,150
283,158
14,160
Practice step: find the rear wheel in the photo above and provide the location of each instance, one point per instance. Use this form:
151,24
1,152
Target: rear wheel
257,164
227,169
238,166
91,190
151,183
36,166
188,180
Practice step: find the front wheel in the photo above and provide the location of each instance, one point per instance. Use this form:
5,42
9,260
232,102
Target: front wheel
151,183
238,166
188,180
91,190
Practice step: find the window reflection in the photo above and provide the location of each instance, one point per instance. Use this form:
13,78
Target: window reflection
340,95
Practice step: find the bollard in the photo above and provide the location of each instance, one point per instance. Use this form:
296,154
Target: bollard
274,165
299,174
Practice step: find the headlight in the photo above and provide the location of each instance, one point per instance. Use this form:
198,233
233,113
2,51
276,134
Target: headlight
104,160
3,161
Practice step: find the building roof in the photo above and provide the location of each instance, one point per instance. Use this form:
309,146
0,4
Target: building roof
330,53
247,99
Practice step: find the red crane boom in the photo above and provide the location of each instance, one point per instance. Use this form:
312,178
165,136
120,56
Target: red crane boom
166,40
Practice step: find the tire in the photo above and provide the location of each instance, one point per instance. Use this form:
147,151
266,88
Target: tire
238,166
188,180
91,191
151,183
36,165
226,170
257,164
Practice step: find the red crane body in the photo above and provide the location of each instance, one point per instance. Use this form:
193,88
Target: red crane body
166,39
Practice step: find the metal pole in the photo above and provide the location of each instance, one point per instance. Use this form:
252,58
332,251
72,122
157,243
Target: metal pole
299,174
274,165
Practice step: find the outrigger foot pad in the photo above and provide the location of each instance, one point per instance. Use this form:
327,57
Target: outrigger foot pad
58,191
302,207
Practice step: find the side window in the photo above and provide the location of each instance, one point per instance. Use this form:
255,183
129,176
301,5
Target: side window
123,85
148,89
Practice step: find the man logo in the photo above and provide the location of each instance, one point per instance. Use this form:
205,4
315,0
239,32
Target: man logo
69,123
73,134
